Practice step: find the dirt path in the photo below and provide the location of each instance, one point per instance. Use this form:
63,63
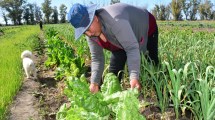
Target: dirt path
38,99
24,106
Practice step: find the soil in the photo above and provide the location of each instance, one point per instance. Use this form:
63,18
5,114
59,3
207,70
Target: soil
38,99
209,30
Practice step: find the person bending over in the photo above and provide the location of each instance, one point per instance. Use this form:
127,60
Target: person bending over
123,29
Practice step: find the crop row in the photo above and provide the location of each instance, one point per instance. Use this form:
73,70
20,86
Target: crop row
184,80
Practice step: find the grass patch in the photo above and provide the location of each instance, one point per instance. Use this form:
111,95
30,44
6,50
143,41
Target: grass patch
13,42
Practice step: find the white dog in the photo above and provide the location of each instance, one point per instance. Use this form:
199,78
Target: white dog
28,64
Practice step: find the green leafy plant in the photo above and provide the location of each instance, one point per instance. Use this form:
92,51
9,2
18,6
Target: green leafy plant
111,101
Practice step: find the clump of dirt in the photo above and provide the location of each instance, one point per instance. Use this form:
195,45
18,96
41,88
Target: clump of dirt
38,99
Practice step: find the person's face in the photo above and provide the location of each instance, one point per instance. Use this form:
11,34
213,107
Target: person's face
94,29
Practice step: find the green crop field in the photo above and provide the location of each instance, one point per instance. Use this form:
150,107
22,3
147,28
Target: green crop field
184,81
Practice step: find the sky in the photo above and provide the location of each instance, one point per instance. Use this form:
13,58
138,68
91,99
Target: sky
148,4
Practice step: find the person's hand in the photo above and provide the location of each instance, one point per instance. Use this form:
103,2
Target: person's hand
94,88
135,83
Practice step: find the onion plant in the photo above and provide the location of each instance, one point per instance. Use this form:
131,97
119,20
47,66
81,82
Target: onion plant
175,87
158,81
205,88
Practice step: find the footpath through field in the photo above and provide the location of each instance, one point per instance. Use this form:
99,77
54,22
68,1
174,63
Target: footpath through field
13,40
37,99
25,105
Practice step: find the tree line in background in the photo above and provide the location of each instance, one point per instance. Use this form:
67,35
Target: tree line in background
185,8
21,12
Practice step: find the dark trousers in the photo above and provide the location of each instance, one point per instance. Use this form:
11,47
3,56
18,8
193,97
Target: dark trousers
152,47
118,58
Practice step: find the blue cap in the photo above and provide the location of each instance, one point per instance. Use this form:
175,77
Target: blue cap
81,17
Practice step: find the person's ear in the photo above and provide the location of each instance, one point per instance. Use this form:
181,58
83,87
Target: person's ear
96,18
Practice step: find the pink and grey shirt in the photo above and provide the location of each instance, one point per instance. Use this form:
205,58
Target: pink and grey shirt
125,27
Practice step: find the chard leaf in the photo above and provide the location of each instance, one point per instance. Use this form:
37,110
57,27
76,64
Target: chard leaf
110,85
